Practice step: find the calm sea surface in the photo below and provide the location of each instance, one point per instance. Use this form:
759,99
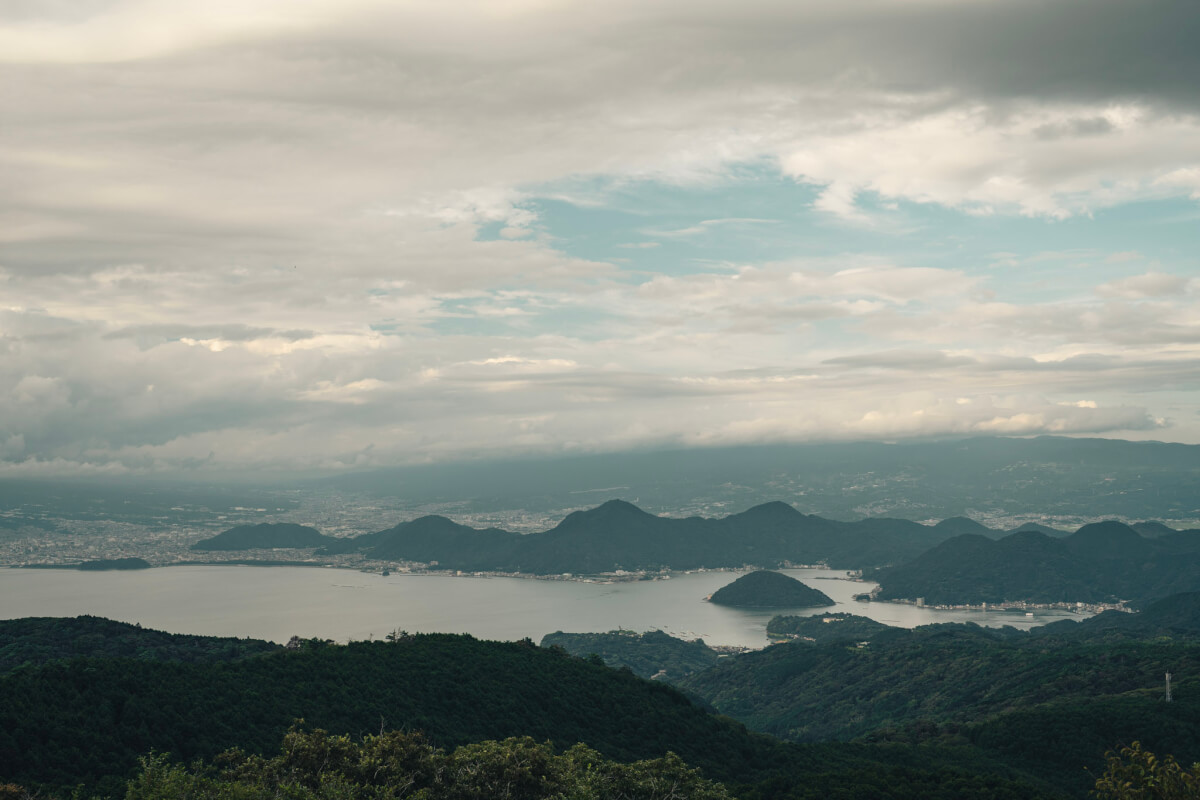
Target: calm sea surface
276,602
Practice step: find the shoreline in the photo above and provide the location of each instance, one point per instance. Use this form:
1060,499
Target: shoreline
1007,606
619,576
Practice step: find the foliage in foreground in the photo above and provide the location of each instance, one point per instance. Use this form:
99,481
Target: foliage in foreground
315,765
1137,774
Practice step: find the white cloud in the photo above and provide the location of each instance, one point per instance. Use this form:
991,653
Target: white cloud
271,212
1150,284
984,160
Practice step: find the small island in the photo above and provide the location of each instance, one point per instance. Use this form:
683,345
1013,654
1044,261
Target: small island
766,589
114,563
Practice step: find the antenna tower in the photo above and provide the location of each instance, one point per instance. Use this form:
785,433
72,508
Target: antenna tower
1168,687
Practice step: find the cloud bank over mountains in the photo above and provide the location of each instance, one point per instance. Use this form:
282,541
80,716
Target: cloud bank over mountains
266,235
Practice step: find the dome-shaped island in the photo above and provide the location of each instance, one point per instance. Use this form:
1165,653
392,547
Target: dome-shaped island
766,589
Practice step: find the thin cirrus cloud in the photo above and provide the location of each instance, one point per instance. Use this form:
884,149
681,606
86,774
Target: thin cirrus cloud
261,236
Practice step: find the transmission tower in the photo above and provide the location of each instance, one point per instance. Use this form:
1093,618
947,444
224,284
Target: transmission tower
1168,687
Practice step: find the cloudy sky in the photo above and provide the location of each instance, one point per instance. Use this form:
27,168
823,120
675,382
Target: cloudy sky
323,234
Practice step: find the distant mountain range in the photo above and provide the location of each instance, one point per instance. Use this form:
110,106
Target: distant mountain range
958,560
1098,563
618,535
980,477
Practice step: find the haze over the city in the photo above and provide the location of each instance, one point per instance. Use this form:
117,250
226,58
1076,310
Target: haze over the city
328,235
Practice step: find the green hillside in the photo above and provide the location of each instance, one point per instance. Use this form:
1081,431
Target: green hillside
653,654
32,641
88,720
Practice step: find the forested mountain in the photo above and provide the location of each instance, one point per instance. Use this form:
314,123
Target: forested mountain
766,589
434,539
1101,562
945,711
1176,616
32,641
263,536
619,535
1009,692
86,721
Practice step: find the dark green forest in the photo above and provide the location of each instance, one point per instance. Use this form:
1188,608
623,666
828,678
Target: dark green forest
33,641
821,628
653,654
943,711
88,721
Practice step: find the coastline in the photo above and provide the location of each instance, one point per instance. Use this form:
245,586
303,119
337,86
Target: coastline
618,576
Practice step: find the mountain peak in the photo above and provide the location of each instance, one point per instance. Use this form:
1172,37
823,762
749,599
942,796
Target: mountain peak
1040,528
615,508
959,525
1108,539
774,508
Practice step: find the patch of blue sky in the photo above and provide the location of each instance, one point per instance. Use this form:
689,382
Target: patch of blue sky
652,227
1036,259
758,216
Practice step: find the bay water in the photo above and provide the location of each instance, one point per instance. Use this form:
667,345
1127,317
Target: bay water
276,603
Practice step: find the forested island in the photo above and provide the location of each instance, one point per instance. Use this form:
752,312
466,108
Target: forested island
766,589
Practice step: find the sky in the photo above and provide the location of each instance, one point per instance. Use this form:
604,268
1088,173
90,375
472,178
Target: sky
322,235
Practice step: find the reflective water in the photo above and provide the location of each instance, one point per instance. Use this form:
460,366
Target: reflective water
276,602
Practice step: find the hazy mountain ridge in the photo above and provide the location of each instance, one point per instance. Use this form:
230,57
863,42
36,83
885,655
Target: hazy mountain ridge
983,477
618,535
1101,562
